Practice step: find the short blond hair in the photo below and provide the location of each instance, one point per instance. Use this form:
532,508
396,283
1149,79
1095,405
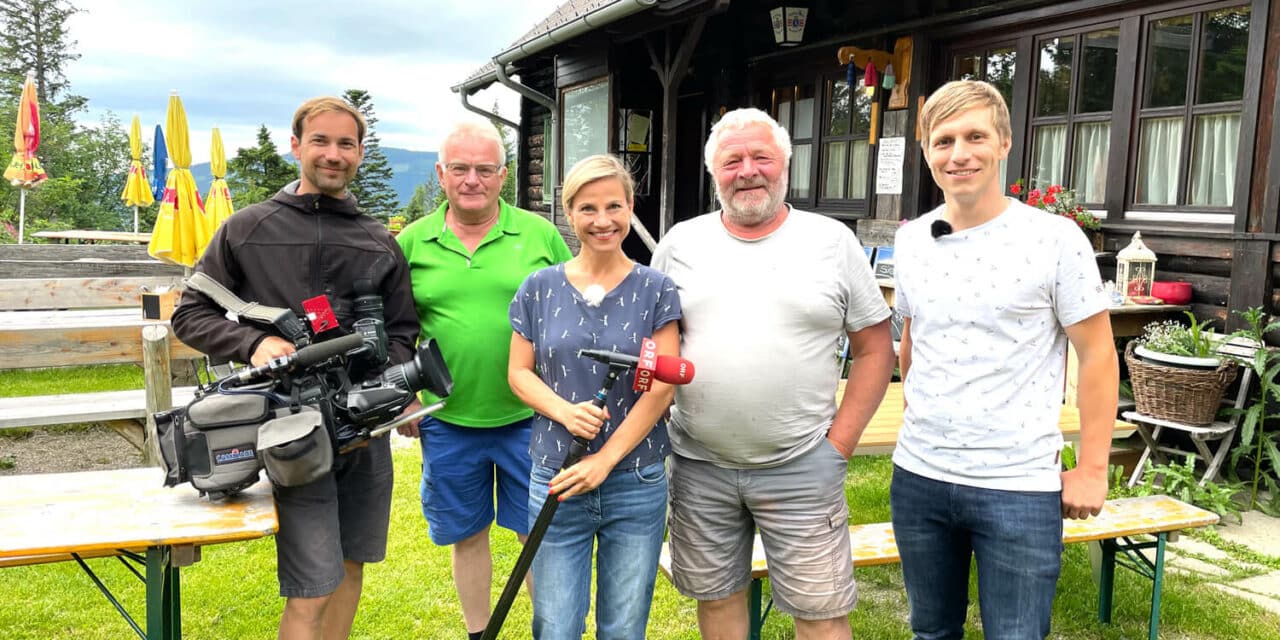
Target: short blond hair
958,96
323,104
591,169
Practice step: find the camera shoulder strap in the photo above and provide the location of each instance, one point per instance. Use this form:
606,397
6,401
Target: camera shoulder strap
282,319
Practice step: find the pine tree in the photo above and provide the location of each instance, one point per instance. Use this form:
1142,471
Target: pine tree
372,186
35,38
257,173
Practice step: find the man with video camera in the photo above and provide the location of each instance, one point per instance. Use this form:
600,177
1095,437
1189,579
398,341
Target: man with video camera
307,241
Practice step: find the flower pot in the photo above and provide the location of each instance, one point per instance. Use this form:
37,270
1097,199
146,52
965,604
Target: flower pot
1171,360
1172,292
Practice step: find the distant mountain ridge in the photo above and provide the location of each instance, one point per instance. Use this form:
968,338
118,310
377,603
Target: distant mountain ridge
410,169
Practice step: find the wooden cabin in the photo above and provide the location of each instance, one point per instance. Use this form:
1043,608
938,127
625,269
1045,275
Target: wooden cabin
1160,114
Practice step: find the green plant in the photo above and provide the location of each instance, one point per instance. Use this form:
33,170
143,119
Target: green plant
1181,481
1059,201
1174,338
1254,440
8,462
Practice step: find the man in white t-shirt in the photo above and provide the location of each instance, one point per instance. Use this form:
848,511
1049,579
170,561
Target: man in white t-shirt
991,290
767,292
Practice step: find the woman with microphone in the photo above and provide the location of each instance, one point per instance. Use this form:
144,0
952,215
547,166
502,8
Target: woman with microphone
615,497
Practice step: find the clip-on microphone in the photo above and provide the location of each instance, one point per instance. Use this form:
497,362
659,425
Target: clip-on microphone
940,228
649,366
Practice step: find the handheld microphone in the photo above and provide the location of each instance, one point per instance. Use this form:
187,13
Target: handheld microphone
668,369
940,228
304,357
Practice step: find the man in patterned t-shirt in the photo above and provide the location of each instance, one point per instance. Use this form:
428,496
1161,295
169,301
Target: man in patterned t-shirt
991,290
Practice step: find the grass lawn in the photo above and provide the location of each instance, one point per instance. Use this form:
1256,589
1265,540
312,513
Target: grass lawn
231,592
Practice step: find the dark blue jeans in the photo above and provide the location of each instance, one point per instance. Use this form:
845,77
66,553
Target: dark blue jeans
1016,537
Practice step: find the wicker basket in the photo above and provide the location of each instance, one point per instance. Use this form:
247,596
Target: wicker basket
1189,396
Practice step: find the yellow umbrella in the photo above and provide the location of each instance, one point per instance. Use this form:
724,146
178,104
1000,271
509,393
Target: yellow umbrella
137,189
178,224
217,205
24,170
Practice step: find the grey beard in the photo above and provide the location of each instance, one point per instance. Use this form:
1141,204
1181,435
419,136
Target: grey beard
754,215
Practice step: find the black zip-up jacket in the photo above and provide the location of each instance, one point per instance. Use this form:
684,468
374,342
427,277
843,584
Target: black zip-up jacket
290,248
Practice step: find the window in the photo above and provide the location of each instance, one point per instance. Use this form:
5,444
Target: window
846,123
585,123
1071,112
1192,82
996,65
793,108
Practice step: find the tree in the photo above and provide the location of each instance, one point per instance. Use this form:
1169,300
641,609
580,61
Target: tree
35,38
508,192
372,186
257,173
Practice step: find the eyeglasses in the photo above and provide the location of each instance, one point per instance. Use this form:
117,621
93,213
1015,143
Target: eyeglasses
483,171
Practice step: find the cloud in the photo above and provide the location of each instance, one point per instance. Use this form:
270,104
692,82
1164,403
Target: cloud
241,63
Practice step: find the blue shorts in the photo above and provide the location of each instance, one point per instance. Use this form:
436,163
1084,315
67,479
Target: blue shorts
459,469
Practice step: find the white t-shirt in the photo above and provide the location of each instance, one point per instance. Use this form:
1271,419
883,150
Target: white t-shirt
987,307
762,320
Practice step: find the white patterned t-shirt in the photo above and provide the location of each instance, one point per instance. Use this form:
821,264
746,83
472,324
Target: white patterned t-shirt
987,307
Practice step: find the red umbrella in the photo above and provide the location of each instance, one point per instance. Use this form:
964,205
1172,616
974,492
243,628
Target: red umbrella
24,170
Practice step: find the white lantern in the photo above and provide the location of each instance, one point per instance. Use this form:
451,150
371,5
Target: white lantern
1135,269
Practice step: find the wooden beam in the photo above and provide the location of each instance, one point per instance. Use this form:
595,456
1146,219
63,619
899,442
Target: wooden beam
671,70
77,293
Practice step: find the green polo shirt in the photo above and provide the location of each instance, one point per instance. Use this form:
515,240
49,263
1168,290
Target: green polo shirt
462,300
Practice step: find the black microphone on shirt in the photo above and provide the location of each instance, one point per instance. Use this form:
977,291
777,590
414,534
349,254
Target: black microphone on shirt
940,228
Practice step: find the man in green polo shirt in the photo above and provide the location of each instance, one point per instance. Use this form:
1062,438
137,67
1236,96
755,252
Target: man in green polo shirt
466,261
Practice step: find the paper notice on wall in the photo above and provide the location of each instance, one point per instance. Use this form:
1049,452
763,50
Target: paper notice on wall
889,166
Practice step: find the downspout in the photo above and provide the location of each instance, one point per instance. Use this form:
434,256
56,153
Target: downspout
487,114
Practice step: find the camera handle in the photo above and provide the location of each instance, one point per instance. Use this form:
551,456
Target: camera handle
577,449
363,439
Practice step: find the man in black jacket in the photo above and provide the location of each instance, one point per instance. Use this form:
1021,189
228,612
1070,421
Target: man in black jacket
306,241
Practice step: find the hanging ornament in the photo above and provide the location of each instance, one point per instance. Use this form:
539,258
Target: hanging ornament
889,80
871,80
851,74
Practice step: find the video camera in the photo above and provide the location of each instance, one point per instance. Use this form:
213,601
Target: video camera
293,414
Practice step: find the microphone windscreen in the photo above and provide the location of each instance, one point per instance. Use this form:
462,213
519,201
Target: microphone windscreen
673,370
317,353
940,228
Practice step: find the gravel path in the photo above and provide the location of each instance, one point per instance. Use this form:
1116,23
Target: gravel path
65,449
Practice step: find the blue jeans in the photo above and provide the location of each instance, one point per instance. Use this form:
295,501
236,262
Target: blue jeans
1016,537
624,516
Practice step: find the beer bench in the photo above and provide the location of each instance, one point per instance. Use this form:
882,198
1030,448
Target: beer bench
1115,529
60,322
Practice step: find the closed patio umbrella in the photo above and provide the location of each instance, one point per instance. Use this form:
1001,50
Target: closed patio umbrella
24,170
179,225
217,205
159,164
137,191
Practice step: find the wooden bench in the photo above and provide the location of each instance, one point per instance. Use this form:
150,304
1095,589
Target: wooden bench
60,322
1115,528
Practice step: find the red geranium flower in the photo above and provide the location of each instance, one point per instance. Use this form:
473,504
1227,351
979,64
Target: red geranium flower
1015,188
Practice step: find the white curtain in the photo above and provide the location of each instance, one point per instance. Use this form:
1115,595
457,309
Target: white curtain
1047,151
858,171
837,158
1089,166
801,170
804,119
1158,161
1213,159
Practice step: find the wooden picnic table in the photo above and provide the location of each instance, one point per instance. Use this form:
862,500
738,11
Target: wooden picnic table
127,513
79,336
93,237
881,435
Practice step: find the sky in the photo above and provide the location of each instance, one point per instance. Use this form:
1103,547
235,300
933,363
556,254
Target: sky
238,64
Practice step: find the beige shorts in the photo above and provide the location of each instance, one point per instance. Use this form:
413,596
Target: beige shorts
799,508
